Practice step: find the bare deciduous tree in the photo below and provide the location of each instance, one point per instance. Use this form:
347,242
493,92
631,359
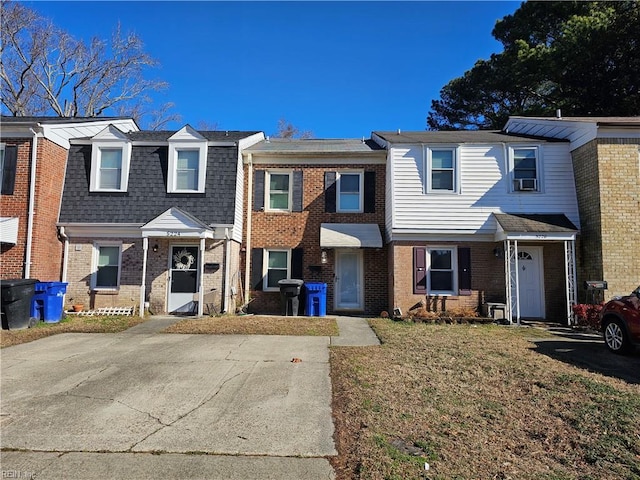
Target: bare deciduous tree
45,70
288,130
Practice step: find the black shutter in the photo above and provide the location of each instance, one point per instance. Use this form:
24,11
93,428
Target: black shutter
296,263
420,270
297,191
256,268
369,192
9,169
464,271
258,190
330,192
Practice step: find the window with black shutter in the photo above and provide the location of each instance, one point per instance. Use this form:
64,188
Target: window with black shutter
464,271
256,268
419,270
9,163
369,192
330,192
258,190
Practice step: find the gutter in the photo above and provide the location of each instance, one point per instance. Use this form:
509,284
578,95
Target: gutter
247,255
32,203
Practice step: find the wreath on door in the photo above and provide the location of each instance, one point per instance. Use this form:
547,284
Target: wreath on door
183,259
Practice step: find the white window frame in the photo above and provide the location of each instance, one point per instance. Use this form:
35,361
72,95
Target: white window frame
95,260
512,172
172,177
265,267
267,190
428,152
96,158
339,207
454,270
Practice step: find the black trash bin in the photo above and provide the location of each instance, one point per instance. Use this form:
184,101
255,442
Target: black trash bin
290,295
16,303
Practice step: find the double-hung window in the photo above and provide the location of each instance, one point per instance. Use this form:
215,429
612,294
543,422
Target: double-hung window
442,170
278,191
187,169
441,268
525,167
110,170
277,266
187,166
107,260
110,159
350,187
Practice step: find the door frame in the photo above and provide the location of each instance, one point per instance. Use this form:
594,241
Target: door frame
336,284
538,252
169,269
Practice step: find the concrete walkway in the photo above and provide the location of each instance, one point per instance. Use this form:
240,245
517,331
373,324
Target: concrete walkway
140,404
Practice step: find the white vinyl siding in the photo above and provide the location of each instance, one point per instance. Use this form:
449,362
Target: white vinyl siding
485,187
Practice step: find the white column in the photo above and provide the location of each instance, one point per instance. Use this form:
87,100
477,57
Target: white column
145,249
570,273
201,278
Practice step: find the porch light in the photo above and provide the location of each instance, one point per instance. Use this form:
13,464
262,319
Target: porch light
155,247
323,256
498,252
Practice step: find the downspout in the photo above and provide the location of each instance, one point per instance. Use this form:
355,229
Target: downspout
247,256
227,266
65,253
32,203
65,257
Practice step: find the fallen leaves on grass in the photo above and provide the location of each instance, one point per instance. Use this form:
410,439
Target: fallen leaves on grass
74,324
257,325
477,402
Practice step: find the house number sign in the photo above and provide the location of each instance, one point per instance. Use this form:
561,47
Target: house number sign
173,234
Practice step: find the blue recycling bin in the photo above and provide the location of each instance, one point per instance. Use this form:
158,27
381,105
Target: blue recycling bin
315,299
48,300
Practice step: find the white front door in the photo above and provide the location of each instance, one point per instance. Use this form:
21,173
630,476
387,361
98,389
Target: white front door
530,282
349,282
183,279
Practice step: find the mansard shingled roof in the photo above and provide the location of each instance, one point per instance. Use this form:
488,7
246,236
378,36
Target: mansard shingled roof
147,195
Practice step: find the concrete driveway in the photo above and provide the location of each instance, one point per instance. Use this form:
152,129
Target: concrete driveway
148,405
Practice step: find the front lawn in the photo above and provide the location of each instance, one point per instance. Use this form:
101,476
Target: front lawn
257,325
70,324
477,402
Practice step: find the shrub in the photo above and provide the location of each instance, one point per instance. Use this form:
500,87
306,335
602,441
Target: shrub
588,315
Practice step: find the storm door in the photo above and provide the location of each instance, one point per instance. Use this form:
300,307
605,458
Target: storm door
183,279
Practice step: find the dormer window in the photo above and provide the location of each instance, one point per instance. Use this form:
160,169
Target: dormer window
187,162
110,159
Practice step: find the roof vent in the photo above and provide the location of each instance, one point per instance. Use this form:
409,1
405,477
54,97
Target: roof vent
558,113
399,132
363,140
267,140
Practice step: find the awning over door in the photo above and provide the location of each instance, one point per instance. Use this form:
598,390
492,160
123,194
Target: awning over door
9,230
350,235
528,226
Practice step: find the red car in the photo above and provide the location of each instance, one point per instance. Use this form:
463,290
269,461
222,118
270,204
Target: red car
621,322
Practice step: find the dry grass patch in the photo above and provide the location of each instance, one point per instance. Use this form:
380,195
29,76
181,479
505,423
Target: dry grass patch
70,324
257,325
477,402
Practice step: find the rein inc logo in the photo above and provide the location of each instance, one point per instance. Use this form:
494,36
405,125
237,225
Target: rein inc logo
18,474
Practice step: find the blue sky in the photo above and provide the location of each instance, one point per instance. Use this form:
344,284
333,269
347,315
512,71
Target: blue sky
337,69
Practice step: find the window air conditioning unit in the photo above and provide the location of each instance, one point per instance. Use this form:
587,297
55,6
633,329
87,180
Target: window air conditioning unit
526,184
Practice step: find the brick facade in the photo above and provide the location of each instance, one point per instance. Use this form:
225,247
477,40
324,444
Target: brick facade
302,230
607,173
487,278
46,251
81,263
